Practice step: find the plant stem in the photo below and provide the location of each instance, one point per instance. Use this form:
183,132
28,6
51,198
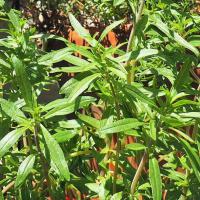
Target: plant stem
30,144
115,135
79,153
116,164
130,64
117,108
1,90
43,160
138,173
10,185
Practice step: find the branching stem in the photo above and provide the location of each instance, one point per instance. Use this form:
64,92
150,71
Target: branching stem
118,146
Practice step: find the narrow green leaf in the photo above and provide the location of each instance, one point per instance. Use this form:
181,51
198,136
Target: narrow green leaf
81,86
76,60
9,140
176,95
135,147
143,53
185,102
56,154
73,123
190,114
109,28
182,75
54,56
117,196
64,107
45,36
23,81
93,187
89,120
120,126
155,179
54,104
194,40
137,55
175,36
68,87
82,31
118,2
187,137
168,73
153,131
12,111
15,20
83,50
134,133
5,64
132,91
118,72
64,136
24,170
62,103
73,69
1,195
193,157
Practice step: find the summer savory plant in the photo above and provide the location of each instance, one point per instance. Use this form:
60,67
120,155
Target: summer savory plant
148,92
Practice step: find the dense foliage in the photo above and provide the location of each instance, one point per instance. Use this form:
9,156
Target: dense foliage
148,94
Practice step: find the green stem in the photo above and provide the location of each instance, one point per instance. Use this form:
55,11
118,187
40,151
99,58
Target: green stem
131,64
79,153
117,108
30,144
43,160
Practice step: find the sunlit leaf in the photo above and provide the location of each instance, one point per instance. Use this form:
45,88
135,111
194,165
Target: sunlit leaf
90,120
109,28
193,157
155,179
23,81
9,140
63,107
56,154
135,147
24,170
120,126
12,111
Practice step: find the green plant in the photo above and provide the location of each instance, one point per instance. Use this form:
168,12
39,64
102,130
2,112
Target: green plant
148,92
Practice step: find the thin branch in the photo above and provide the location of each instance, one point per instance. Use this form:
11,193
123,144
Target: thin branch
6,188
138,173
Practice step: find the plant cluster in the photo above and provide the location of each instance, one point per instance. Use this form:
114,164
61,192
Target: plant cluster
148,93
